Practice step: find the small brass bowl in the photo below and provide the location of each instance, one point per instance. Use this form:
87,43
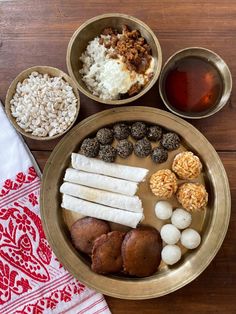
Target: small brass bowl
93,28
20,78
208,56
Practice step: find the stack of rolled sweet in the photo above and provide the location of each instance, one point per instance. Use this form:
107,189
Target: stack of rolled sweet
102,190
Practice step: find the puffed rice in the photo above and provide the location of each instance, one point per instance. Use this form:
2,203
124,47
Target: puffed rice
192,196
163,183
44,105
187,165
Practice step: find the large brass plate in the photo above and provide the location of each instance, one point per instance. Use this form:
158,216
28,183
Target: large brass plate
211,223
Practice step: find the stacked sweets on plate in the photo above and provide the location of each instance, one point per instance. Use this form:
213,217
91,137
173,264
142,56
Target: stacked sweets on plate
104,192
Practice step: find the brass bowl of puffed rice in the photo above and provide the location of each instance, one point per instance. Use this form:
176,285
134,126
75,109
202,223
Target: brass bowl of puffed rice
114,58
42,103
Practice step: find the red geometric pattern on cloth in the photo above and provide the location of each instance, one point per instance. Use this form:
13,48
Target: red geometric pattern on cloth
51,301
20,180
28,266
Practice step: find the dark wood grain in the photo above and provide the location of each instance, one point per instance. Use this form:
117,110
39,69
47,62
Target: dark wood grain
37,33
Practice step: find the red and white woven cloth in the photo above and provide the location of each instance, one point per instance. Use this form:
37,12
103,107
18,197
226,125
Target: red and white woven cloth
31,278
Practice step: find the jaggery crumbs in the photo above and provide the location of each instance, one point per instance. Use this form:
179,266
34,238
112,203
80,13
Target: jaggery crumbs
187,165
163,183
192,196
133,48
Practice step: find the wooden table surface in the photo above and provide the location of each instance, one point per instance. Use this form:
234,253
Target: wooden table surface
37,33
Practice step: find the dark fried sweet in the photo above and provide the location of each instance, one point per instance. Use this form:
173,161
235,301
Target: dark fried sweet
142,148
170,141
154,133
141,251
84,232
107,153
106,254
121,131
90,147
159,155
138,130
105,136
124,148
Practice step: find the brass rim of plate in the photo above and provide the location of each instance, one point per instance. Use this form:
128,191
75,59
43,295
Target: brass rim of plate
142,26
163,282
23,75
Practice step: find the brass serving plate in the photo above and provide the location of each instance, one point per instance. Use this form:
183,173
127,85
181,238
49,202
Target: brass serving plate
211,223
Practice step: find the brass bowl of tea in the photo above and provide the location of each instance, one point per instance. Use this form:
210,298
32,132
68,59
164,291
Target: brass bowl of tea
195,83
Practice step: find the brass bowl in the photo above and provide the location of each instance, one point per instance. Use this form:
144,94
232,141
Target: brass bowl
216,61
20,78
91,29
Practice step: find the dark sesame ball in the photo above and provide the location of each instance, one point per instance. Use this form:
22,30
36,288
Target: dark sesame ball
142,148
90,147
121,131
107,153
124,148
138,130
105,136
154,133
170,141
159,155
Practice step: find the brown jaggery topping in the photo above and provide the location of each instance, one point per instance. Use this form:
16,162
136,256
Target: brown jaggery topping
131,46
134,89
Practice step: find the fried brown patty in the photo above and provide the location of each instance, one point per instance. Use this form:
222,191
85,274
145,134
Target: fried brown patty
106,254
141,251
84,232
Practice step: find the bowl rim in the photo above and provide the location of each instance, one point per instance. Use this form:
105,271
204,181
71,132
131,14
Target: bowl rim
214,109
10,94
117,101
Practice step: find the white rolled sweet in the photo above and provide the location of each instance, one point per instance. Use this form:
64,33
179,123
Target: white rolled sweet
81,162
86,208
130,203
101,182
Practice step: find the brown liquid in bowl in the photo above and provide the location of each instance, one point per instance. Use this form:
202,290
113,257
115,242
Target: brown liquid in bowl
193,85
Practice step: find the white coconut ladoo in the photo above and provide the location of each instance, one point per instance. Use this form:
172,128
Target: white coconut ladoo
190,239
163,210
170,234
171,254
181,218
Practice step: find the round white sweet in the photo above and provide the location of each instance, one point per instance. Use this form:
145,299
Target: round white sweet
170,234
163,210
181,218
190,238
171,254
